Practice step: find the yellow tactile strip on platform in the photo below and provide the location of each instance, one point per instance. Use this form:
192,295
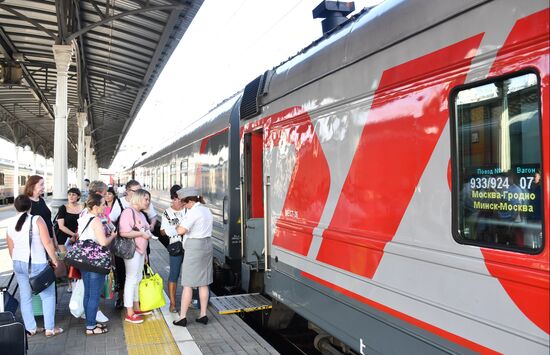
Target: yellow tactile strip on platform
150,337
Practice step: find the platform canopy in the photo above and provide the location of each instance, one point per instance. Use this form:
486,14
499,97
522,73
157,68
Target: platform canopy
120,48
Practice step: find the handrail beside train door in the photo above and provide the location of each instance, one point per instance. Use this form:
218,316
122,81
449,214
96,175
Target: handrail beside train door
267,216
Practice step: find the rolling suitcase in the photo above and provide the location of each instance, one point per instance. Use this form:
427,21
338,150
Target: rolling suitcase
13,338
8,302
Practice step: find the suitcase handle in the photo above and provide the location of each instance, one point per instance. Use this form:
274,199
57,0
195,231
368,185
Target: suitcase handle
9,284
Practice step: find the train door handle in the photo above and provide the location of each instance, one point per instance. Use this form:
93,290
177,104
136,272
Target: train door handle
223,210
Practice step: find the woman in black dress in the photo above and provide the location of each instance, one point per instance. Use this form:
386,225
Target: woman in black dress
34,188
67,219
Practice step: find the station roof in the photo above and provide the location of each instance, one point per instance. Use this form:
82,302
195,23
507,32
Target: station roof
120,48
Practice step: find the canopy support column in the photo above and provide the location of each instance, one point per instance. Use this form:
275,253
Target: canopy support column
82,123
62,55
16,173
88,146
34,169
94,167
46,177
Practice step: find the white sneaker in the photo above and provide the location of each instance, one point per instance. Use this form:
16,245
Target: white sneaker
100,317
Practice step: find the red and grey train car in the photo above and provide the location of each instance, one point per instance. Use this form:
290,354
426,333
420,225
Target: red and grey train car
394,178
200,157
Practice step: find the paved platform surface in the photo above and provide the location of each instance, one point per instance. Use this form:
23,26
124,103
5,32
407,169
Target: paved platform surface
224,334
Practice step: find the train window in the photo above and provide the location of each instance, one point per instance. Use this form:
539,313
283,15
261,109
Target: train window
184,172
2,177
165,177
497,195
173,176
22,180
158,183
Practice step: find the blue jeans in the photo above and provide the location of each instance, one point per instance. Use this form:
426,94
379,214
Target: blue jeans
175,268
25,294
93,285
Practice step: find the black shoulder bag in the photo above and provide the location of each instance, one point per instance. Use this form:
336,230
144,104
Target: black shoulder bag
45,278
176,248
55,225
125,247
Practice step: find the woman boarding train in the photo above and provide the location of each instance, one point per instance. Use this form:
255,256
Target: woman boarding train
197,270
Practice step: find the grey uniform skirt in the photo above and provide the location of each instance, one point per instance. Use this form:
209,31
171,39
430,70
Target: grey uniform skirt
196,269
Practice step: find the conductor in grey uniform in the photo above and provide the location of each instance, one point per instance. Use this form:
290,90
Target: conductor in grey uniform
196,270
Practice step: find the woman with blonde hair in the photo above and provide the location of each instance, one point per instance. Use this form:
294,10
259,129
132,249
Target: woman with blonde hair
133,224
22,250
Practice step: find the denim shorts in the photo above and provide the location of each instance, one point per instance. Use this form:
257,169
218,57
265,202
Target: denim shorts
175,268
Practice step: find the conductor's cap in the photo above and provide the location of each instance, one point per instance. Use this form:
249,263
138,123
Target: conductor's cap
188,192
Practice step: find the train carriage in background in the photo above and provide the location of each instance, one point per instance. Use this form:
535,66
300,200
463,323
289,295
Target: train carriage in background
394,178
200,157
6,180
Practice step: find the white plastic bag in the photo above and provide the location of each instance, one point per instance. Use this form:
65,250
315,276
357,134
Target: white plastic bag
76,304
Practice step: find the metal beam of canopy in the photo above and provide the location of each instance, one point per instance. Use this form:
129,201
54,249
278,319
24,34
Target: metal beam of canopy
119,48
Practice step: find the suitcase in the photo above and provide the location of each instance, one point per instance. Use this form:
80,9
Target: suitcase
8,302
37,305
13,337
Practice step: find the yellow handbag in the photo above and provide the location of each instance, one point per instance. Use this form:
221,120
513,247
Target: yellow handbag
151,295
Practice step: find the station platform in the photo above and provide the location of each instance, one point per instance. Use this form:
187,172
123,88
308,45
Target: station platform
224,334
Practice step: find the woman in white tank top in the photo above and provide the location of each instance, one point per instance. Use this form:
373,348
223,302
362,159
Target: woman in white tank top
18,246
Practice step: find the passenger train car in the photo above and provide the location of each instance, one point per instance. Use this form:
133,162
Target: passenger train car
200,157
6,180
393,178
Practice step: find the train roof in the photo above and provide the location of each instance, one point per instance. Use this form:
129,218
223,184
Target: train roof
212,122
370,31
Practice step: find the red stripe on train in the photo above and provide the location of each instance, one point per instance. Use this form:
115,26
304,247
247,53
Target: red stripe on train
408,114
525,277
411,320
309,183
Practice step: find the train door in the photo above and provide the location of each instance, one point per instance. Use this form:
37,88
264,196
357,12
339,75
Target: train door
253,247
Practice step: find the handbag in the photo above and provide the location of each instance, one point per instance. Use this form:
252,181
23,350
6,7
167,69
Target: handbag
88,255
175,249
11,304
151,295
61,269
125,248
45,278
108,290
74,273
55,224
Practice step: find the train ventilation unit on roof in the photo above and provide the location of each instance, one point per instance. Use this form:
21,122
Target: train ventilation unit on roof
334,13
252,95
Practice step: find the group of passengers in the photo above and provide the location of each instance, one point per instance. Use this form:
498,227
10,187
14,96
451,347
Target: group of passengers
101,218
